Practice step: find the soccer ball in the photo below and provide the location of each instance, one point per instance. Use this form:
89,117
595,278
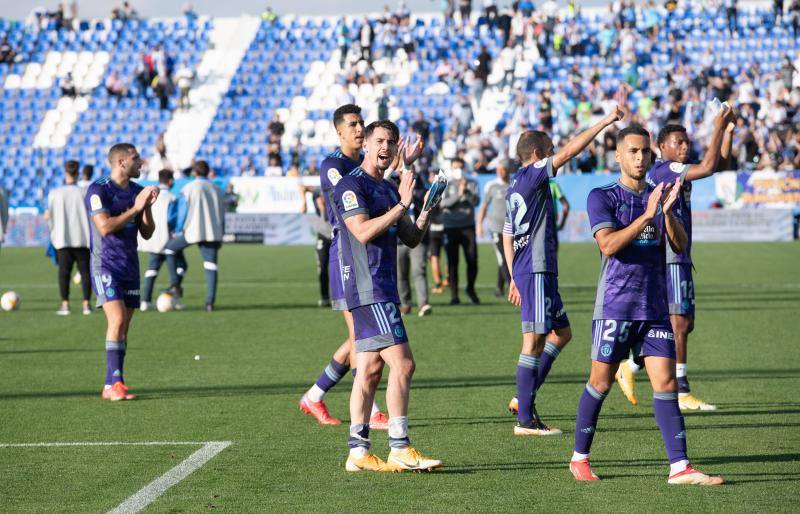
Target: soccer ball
10,301
165,302
76,278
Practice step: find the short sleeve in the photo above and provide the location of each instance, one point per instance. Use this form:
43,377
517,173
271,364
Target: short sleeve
330,174
538,173
96,201
667,171
601,210
508,229
350,198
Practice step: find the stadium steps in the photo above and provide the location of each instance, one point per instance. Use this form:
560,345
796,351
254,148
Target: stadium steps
87,69
229,39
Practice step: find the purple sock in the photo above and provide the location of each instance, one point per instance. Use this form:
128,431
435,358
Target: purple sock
683,385
359,436
331,375
526,387
670,422
115,353
586,423
549,355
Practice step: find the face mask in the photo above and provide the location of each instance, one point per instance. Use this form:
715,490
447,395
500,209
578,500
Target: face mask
456,174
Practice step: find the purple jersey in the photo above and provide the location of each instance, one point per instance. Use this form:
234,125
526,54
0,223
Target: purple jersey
115,253
369,271
631,284
333,168
668,171
530,218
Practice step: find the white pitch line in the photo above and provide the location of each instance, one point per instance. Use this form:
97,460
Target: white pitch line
106,443
148,494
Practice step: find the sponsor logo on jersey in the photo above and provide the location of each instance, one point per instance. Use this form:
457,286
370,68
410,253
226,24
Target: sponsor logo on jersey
522,242
648,237
349,201
95,203
346,272
334,176
661,334
605,350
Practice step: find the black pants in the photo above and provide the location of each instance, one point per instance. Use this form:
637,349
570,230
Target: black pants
323,252
66,258
464,238
503,277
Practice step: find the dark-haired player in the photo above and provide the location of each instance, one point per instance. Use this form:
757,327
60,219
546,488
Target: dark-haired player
632,222
119,210
349,127
529,243
372,215
674,146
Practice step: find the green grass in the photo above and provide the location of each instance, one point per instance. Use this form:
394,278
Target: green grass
268,342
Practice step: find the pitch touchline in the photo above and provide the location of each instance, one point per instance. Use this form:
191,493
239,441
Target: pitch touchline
149,493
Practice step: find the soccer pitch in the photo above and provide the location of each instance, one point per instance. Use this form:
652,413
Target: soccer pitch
268,342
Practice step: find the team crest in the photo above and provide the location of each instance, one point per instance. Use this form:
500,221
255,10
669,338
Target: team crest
349,201
398,331
605,350
334,176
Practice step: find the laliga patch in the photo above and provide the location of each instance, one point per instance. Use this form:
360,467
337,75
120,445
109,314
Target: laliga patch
540,164
95,202
349,201
677,167
334,176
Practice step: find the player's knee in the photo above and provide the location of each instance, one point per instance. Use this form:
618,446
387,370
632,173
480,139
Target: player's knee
690,326
562,337
407,368
600,384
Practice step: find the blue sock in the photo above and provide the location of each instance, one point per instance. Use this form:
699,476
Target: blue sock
115,354
586,423
331,375
526,387
549,355
670,422
359,436
683,385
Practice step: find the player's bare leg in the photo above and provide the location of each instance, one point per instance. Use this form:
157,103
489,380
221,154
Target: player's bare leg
377,419
601,378
401,368
682,326
370,369
661,371
118,318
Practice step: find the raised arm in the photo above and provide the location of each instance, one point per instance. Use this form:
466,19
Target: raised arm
709,163
576,145
676,234
365,229
726,151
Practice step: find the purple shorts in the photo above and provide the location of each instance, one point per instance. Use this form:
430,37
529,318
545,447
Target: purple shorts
378,326
336,287
108,289
680,289
542,308
613,340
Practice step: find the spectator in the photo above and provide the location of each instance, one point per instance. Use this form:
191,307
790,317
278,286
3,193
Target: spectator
67,86
161,87
412,262
159,160
490,12
188,12
115,85
343,41
184,78
494,203
274,168
69,13
458,217
508,59
366,38
231,199
482,71
268,15
794,17
7,53
731,11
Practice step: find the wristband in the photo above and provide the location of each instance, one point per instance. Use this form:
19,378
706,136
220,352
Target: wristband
404,206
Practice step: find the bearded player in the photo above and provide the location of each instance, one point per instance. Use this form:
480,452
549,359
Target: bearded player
631,222
349,127
119,209
674,145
